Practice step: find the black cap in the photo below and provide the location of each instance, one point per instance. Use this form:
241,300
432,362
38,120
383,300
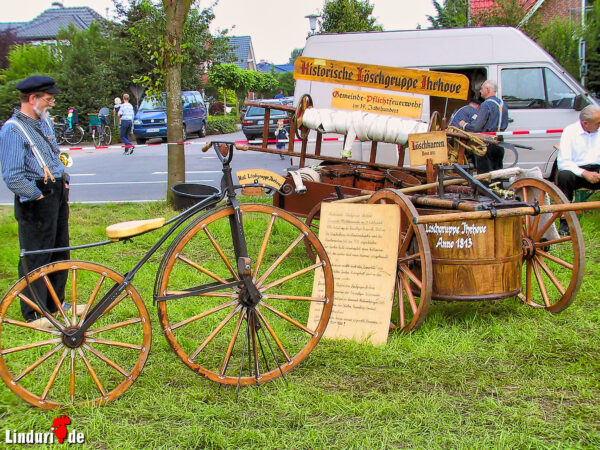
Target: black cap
38,83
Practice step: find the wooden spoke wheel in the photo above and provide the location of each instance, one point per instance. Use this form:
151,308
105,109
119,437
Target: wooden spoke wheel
207,315
412,294
47,369
304,103
553,265
435,123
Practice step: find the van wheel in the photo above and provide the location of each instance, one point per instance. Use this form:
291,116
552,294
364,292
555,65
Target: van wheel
184,132
140,141
202,130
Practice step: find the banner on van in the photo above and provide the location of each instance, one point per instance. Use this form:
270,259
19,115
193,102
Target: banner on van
439,84
373,102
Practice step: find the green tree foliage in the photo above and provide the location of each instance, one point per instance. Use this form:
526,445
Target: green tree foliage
144,27
343,16
88,71
25,60
285,81
592,37
453,14
560,38
28,59
295,53
8,39
509,13
226,76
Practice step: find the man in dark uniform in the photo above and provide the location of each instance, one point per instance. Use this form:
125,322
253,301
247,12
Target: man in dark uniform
492,116
33,171
468,113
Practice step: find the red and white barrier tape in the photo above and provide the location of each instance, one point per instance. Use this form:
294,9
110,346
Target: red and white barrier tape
329,139
521,132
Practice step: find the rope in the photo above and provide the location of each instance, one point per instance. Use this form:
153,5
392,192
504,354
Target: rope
361,125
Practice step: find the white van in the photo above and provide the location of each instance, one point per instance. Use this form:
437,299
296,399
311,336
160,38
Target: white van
539,93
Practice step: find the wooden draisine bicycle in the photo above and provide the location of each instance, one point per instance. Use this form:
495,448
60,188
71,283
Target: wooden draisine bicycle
233,292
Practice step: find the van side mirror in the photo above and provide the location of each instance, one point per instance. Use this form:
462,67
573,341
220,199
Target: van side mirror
580,102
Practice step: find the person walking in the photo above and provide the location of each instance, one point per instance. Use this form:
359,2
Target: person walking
126,114
33,171
492,116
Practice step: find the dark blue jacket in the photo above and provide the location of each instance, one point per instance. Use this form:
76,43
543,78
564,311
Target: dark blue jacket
488,116
465,113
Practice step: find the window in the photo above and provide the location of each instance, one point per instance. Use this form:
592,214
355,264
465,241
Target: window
535,88
559,94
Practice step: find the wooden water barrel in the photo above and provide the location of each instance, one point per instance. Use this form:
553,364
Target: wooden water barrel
340,174
475,259
368,179
398,179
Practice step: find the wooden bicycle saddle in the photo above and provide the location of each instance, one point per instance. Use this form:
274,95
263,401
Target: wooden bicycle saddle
132,228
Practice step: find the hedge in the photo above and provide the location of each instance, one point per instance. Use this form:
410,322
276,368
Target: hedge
222,125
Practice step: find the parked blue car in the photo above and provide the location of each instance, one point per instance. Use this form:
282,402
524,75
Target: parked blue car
151,118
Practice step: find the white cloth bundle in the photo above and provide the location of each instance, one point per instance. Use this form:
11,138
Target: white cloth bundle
362,125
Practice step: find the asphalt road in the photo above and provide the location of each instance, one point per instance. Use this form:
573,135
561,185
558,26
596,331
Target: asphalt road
106,175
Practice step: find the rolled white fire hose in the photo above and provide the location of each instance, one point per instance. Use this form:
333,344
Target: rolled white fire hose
362,125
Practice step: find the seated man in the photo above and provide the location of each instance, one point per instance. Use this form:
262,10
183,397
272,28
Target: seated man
579,156
468,113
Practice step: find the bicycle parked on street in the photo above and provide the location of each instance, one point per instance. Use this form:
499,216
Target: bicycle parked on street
67,133
234,292
99,127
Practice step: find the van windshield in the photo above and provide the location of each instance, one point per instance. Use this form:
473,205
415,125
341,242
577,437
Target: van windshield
153,104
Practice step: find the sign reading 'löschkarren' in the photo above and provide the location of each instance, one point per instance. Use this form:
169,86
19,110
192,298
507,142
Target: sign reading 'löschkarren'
440,84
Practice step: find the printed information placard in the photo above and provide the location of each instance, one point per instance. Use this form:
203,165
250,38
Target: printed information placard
373,102
361,242
440,84
424,146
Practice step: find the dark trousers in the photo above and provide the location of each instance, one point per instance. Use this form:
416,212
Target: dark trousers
568,182
44,224
125,130
492,160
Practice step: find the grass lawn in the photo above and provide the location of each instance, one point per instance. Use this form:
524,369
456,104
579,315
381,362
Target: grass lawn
475,375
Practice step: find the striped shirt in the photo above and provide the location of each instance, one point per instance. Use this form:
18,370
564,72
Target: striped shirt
126,111
20,169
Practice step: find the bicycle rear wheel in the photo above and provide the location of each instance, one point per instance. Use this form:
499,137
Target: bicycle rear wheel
217,333
74,135
43,367
106,136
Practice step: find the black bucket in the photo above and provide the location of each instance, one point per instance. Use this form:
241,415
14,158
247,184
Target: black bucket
188,194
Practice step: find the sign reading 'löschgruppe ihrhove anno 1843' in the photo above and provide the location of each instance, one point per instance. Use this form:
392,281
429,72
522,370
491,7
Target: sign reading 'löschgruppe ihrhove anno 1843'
373,102
438,84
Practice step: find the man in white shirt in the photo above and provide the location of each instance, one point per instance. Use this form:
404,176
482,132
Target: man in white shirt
126,113
579,154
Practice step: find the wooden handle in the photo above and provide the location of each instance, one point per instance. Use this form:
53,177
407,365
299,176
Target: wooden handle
206,147
242,147
519,211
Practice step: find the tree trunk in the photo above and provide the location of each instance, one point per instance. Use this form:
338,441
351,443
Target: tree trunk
176,12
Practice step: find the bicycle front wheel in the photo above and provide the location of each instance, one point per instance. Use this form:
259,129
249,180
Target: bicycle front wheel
74,135
47,369
204,308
